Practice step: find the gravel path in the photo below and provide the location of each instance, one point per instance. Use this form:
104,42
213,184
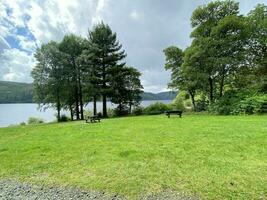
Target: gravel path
13,190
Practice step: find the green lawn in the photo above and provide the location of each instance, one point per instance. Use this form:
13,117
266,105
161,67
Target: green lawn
214,157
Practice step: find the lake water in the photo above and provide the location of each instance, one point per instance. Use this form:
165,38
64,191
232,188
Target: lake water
11,114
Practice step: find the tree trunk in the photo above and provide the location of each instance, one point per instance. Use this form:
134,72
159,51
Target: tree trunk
192,95
95,109
58,109
130,108
105,115
80,97
77,103
222,83
211,89
76,89
71,112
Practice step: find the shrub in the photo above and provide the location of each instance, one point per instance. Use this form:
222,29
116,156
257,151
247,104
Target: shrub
87,113
240,103
253,105
22,124
178,102
64,118
201,105
138,110
35,120
99,114
110,112
121,112
156,108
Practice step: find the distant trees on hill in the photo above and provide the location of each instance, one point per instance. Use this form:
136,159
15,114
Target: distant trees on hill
77,70
227,59
12,92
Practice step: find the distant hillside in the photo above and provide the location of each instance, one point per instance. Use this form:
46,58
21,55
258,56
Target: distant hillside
13,92
159,96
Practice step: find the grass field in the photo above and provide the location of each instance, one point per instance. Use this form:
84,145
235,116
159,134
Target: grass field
214,157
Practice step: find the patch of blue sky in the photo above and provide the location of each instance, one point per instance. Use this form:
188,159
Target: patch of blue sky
13,42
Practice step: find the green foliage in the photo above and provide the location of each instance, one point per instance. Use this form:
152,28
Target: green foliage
240,103
178,102
227,54
110,112
126,89
75,71
122,110
138,110
252,105
22,124
87,113
64,118
156,108
35,120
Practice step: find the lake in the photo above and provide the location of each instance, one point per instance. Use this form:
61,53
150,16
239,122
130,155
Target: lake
11,114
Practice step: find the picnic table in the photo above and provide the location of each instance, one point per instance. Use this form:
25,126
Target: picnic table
93,119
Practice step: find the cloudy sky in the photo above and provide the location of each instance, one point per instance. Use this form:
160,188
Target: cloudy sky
144,27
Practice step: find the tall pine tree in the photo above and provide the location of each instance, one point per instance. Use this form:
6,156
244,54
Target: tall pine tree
108,55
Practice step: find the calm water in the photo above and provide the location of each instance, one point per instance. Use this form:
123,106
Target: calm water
17,113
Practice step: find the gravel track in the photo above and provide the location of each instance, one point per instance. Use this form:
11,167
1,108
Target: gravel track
14,190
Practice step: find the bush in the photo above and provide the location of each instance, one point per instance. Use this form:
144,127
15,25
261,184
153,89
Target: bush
178,102
87,113
240,103
201,105
121,112
156,108
22,124
138,110
99,114
253,105
35,120
64,118
110,112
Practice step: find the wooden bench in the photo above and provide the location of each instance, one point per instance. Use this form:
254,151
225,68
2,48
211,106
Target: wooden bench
93,119
173,112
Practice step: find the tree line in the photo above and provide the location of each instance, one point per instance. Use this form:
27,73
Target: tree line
227,58
75,71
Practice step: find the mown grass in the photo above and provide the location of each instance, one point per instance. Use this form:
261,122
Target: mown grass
214,157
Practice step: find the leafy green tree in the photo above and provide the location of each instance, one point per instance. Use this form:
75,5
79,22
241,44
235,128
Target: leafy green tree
72,46
203,20
126,87
257,51
91,83
229,44
183,75
48,77
108,55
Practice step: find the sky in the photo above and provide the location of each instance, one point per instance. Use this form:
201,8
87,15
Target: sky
143,27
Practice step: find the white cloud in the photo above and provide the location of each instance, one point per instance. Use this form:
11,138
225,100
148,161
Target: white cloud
16,65
3,44
135,15
26,44
100,8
